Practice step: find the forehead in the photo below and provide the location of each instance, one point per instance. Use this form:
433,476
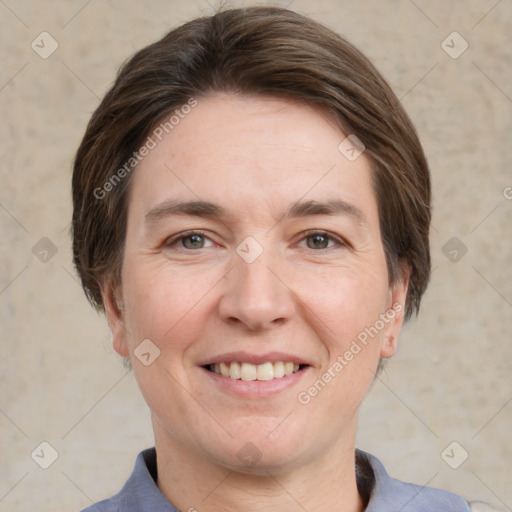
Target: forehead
238,128
248,152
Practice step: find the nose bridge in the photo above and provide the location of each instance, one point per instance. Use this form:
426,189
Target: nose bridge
256,296
257,280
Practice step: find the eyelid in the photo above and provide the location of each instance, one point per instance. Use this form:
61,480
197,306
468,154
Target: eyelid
335,238
175,239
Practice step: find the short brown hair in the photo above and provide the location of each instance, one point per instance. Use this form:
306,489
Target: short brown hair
258,51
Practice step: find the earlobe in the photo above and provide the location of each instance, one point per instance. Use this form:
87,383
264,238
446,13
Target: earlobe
114,310
389,346
389,343
396,313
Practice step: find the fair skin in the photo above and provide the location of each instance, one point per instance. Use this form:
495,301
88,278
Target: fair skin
303,300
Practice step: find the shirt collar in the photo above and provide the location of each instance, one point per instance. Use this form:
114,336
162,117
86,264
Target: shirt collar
389,495
380,492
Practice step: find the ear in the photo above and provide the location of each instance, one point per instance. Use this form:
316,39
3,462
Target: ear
115,317
394,315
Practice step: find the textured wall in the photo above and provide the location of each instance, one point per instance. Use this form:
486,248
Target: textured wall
60,380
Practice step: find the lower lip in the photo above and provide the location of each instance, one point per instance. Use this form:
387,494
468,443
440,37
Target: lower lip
255,388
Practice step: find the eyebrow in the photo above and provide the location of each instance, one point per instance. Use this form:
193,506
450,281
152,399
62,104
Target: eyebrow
330,207
192,208
298,209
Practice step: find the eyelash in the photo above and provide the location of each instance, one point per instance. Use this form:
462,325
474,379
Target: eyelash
175,240
338,241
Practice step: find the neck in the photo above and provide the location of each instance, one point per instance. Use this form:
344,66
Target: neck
193,483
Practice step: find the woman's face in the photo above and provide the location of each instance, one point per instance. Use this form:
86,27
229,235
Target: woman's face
253,248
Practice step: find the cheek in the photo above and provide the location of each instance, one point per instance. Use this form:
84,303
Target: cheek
169,308
344,301
341,310
165,305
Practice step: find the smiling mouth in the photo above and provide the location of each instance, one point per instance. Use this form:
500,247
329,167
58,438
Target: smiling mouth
249,371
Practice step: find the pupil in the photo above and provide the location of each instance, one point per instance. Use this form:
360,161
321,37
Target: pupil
193,241
319,241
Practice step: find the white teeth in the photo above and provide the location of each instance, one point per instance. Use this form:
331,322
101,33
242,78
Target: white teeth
278,370
224,370
234,371
288,368
250,372
265,371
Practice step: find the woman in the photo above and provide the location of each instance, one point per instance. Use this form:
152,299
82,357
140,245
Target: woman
251,211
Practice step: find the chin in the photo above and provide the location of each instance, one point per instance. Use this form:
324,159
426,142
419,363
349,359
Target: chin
260,446
251,460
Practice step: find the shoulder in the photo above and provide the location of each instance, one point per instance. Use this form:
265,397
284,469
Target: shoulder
124,501
140,493
110,505
389,494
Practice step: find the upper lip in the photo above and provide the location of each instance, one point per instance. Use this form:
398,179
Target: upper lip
246,357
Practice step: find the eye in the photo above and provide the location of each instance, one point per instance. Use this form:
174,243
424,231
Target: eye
190,240
320,240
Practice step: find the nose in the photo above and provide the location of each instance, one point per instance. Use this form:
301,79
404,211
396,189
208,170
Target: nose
256,296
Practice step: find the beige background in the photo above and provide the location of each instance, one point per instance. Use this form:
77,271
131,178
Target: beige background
451,380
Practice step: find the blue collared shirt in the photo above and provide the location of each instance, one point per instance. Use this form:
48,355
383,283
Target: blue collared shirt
383,493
